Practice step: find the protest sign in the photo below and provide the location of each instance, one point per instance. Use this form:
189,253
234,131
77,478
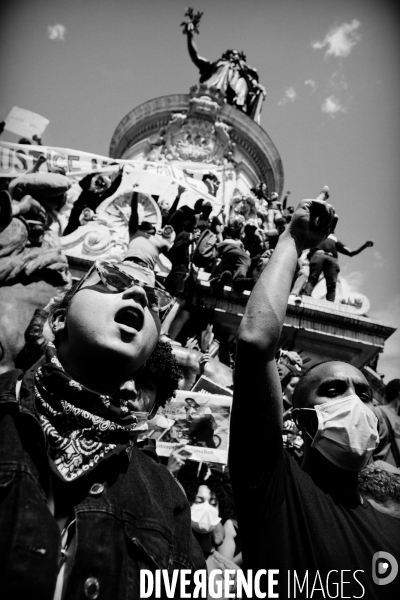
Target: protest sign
25,122
152,177
207,386
201,419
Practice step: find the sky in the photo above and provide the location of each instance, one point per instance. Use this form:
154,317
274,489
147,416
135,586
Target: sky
331,71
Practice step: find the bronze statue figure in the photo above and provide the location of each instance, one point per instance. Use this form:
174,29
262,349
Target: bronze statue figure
230,74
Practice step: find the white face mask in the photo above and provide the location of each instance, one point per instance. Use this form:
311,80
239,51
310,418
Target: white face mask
204,517
347,432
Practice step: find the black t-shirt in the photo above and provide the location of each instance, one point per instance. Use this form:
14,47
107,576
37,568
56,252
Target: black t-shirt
290,524
179,253
232,256
331,245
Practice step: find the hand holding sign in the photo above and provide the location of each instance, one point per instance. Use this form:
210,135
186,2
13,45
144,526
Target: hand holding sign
25,122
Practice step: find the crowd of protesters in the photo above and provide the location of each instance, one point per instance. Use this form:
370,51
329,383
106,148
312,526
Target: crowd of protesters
313,482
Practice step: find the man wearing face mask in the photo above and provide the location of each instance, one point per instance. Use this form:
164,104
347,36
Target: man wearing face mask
309,522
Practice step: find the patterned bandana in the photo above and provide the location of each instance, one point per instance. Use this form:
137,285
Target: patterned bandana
81,426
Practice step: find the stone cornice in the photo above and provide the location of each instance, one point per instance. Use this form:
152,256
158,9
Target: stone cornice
312,315
254,143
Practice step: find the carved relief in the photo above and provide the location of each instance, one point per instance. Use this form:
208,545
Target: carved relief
197,135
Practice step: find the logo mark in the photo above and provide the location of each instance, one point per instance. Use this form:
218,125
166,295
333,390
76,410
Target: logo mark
384,568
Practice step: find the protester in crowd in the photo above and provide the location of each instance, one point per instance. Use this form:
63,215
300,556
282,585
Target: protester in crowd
258,264
216,228
78,471
301,276
178,217
211,506
145,243
388,415
167,212
204,218
381,488
324,259
96,188
289,383
291,435
179,282
235,262
312,520
252,239
275,223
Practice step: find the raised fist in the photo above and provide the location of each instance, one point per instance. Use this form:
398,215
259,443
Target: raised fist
312,222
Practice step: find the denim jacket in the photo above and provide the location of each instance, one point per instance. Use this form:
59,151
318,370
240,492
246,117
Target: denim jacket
130,515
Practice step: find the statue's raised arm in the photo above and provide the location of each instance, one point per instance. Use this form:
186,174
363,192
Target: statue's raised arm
191,26
230,74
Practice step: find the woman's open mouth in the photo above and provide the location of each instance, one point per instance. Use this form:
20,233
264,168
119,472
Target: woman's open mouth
130,317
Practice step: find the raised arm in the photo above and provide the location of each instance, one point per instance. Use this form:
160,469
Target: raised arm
256,424
134,218
200,62
346,250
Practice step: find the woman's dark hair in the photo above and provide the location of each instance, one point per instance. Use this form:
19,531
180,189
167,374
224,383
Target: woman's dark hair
191,483
162,369
380,485
61,303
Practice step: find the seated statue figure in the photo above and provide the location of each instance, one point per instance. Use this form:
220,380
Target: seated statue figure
230,74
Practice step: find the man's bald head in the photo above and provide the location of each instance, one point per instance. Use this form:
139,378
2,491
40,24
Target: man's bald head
313,386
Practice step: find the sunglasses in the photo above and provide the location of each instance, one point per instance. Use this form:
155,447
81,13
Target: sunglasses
117,281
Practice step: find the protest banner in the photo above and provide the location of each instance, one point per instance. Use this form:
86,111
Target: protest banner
161,179
201,419
25,122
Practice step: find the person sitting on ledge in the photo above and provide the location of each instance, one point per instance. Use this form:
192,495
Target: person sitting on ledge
324,259
145,243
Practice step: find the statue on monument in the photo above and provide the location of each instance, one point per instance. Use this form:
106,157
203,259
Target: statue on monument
230,74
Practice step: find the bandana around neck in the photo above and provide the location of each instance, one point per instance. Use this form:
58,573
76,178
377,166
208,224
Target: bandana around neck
81,426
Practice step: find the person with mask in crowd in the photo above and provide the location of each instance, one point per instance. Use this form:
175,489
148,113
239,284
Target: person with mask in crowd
77,494
311,520
211,506
145,243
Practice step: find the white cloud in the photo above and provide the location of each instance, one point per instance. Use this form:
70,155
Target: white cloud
340,40
311,83
337,81
331,106
57,32
378,260
290,95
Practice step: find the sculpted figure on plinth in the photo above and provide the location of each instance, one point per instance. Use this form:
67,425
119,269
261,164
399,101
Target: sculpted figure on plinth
230,74
198,134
